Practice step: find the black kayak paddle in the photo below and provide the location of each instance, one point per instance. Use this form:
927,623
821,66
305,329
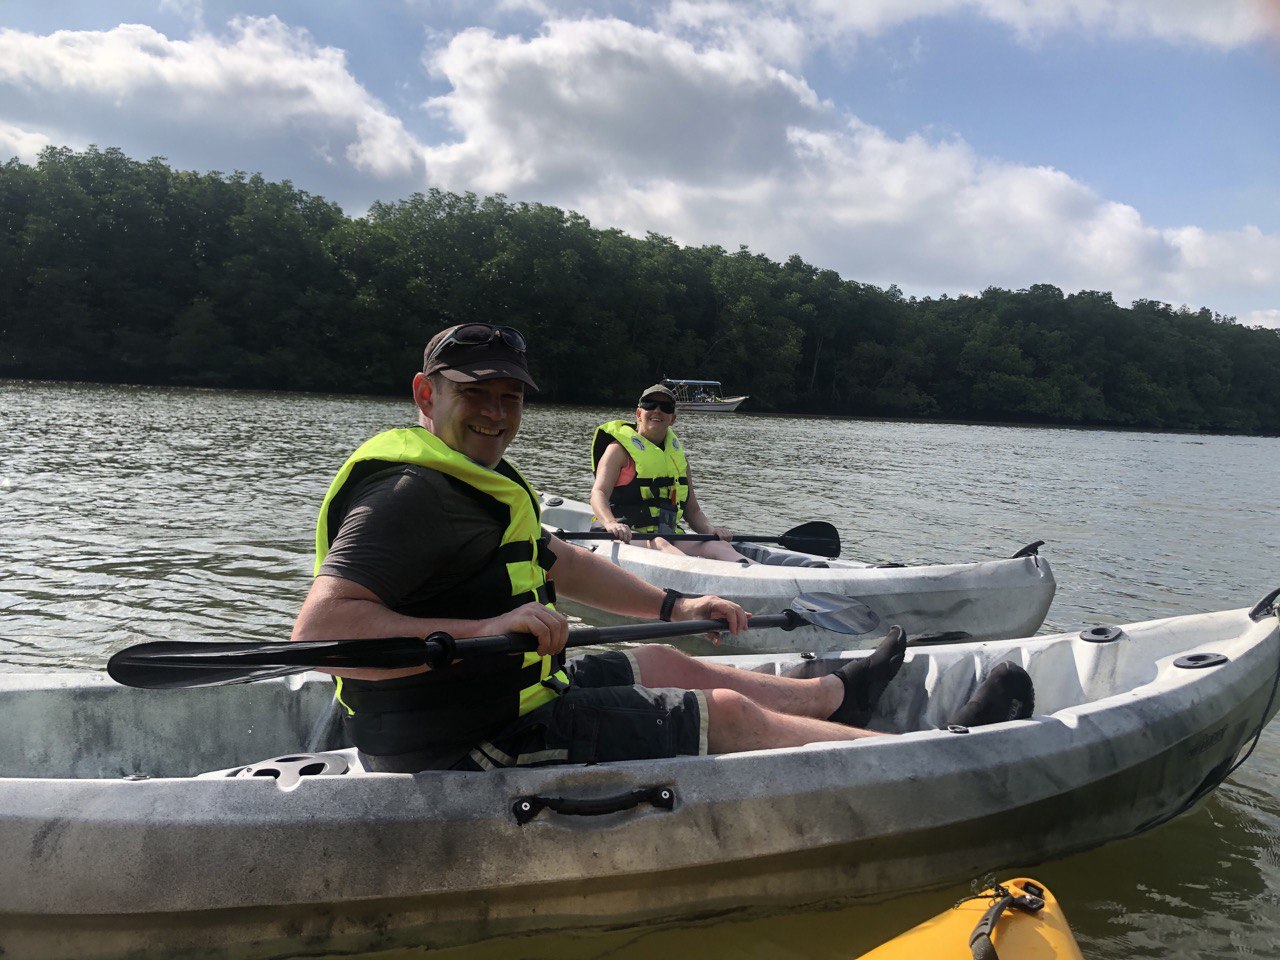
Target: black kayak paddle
816,537
175,664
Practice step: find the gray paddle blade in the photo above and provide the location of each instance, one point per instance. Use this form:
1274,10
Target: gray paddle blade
836,613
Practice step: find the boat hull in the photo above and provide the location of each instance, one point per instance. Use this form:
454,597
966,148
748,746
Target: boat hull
726,405
984,600
93,865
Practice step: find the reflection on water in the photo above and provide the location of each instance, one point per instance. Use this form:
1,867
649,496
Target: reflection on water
136,514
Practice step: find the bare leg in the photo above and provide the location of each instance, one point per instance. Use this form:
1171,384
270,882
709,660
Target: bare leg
713,549
660,543
735,722
817,698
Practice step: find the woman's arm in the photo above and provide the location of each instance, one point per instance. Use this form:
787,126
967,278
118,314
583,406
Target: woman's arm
607,472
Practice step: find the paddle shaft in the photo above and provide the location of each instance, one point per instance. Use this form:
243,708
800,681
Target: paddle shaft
816,536
606,535
438,646
170,664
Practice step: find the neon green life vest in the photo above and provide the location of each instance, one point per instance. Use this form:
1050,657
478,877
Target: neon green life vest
518,552
661,487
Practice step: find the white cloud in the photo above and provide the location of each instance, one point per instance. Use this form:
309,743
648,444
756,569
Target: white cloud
712,144
777,35
262,92
23,144
1262,318
1222,23
604,98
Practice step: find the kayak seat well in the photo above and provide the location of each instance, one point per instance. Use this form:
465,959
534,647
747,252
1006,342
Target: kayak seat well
775,557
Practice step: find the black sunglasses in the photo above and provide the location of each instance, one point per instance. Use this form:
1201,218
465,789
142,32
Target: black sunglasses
479,335
666,406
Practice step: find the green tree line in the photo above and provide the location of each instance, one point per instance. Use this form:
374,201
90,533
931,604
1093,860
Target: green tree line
117,270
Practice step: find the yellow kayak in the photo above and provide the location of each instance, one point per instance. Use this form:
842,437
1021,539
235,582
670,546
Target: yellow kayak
1016,920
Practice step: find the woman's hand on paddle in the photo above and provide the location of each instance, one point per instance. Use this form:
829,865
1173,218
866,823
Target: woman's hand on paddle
619,530
550,627
711,608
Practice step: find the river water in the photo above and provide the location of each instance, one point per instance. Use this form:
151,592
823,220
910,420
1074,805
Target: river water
130,514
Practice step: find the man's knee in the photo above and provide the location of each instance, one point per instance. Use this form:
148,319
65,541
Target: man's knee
729,710
657,661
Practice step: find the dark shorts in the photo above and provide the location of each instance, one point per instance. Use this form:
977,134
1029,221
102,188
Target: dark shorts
604,715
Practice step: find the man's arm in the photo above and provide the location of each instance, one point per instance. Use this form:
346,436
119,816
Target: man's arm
393,535
338,609
592,580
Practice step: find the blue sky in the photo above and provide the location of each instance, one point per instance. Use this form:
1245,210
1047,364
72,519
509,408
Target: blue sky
942,145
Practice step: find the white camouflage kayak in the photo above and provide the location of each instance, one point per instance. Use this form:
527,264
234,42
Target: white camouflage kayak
984,600
221,821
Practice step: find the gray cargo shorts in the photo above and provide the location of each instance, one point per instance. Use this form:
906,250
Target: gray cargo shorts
603,715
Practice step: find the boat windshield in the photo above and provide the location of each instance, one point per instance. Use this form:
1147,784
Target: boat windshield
695,390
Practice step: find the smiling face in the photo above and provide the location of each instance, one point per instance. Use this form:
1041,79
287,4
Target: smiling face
479,420
653,424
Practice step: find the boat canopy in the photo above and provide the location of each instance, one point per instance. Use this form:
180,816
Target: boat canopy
691,383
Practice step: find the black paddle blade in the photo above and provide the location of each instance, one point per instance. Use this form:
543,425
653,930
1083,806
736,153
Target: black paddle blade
817,537
831,611
158,676
166,664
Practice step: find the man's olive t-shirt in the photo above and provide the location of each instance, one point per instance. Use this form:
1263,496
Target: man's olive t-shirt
411,534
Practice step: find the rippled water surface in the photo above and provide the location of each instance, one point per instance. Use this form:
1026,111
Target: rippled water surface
135,514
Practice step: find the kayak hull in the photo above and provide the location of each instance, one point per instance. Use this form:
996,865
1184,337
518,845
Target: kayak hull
196,860
984,600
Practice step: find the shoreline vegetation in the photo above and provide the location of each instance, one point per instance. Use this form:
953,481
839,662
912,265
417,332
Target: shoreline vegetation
114,270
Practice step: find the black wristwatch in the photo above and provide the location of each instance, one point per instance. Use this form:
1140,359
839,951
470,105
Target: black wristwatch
669,598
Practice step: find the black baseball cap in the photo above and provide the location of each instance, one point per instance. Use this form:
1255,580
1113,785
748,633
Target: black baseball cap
472,352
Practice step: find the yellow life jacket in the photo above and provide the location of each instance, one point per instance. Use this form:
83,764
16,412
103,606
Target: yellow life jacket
658,493
519,566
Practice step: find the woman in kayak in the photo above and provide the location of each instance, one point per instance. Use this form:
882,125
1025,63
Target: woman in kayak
643,483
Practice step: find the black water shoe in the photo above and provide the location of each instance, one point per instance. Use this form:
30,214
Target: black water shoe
1006,694
864,679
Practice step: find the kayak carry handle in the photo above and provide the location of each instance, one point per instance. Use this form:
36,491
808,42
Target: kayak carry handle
526,808
980,940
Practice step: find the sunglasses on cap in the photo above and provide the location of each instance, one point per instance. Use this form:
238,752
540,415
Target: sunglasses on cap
666,406
480,335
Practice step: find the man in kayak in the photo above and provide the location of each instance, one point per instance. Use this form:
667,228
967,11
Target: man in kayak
643,483
429,529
